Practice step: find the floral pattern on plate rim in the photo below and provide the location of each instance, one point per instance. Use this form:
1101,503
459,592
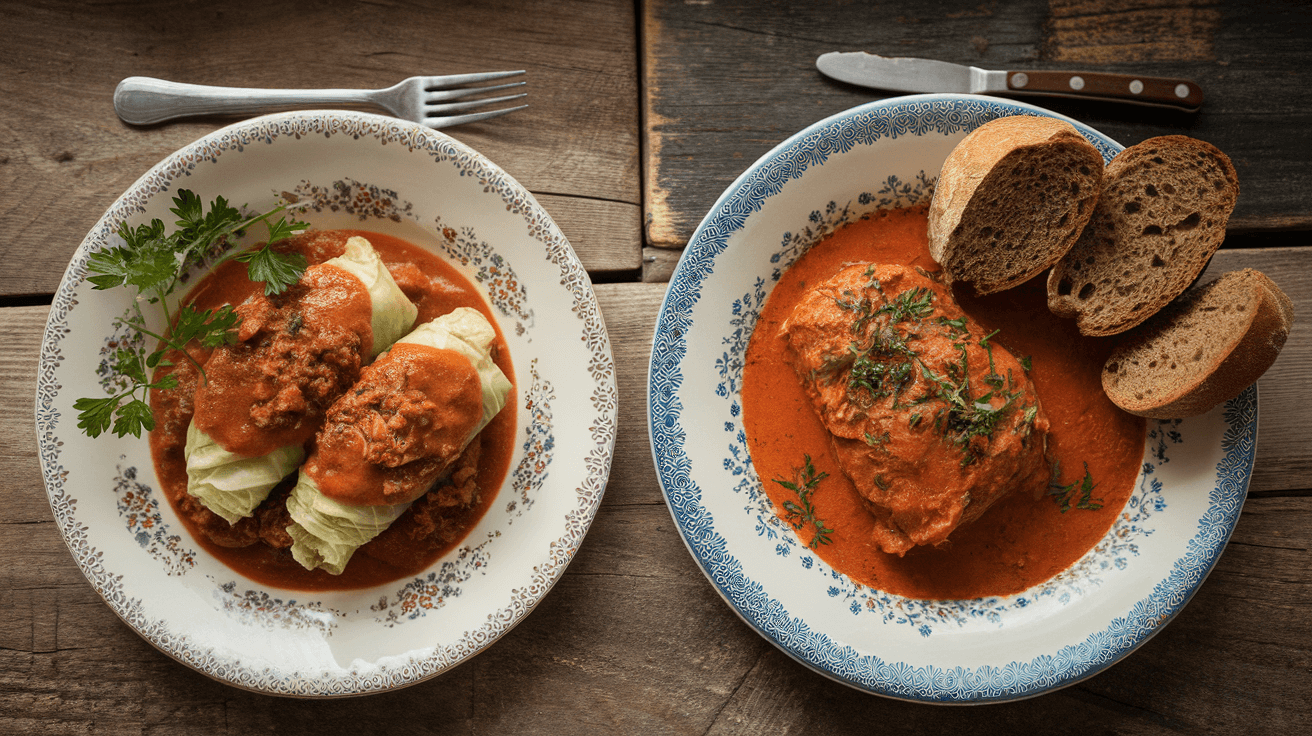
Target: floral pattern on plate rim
600,368
141,516
539,446
865,125
258,608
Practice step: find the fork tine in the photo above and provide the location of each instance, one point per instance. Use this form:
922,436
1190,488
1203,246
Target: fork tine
445,121
435,110
444,95
450,80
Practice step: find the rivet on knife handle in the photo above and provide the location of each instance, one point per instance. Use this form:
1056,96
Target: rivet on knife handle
1180,93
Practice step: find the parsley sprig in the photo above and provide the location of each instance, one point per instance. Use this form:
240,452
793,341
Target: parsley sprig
154,263
803,514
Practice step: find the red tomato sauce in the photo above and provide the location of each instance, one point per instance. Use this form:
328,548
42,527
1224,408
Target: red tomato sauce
436,288
1022,540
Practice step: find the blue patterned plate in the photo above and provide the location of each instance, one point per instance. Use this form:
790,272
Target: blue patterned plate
373,173
1185,504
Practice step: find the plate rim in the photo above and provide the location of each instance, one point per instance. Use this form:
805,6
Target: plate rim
578,512
658,412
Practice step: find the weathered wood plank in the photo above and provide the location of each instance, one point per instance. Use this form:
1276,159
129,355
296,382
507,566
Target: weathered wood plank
66,156
726,81
630,313
606,235
634,639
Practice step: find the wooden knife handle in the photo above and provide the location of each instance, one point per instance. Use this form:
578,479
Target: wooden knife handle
1180,93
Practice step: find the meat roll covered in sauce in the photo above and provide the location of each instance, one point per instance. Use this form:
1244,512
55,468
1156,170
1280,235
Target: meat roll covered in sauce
931,421
399,429
296,353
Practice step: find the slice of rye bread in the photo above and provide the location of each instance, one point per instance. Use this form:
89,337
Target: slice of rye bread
1161,215
1010,200
1202,349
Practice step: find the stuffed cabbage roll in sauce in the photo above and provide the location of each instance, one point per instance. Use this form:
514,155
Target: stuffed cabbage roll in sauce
411,420
266,395
931,421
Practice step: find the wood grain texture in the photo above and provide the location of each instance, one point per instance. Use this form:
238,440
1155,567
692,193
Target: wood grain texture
65,156
634,639
1120,31
727,81
606,235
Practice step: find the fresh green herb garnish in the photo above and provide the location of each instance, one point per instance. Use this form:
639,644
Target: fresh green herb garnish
966,417
910,304
877,440
1078,494
958,324
992,379
880,363
803,514
154,263
881,367
876,378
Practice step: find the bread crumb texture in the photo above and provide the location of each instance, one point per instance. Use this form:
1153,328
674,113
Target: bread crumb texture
1161,215
1203,349
1011,199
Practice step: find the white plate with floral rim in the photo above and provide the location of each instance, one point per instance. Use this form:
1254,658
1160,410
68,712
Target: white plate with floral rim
1187,498
373,173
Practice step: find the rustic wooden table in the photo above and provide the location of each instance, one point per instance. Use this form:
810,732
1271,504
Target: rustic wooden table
641,114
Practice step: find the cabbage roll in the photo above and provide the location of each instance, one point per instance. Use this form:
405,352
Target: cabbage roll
393,435
297,352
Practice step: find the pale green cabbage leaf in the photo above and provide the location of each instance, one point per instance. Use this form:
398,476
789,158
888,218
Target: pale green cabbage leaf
393,314
231,485
325,533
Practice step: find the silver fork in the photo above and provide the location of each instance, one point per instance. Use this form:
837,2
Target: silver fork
425,100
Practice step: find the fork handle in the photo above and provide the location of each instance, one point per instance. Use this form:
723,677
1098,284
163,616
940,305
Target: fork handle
145,100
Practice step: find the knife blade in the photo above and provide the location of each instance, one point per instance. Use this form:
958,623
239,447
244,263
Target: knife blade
904,74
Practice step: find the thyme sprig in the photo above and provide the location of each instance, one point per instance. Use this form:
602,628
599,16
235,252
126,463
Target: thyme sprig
1073,495
803,513
153,264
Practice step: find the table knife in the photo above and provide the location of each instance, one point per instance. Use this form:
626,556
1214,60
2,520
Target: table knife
929,75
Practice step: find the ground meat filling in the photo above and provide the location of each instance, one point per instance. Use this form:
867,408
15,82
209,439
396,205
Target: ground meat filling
242,534
295,354
403,425
273,517
460,490
439,518
304,367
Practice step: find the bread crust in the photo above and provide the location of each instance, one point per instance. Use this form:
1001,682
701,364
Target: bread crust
1011,199
1245,353
1161,215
